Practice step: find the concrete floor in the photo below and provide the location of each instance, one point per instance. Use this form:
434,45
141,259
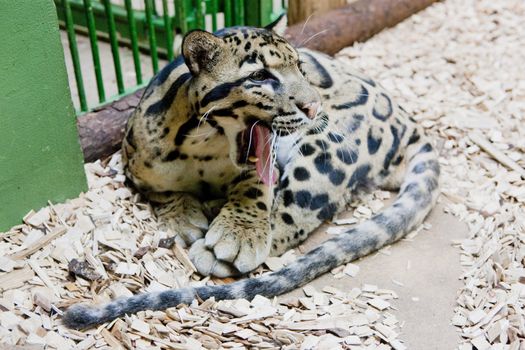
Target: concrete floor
429,268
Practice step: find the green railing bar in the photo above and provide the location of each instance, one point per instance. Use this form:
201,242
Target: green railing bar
169,30
114,45
239,12
265,12
180,15
134,41
199,14
94,49
227,13
151,35
154,7
189,11
260,14
73,50
213,9
242,20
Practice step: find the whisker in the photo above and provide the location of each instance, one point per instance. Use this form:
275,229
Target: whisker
250,139
305,23
274,160
264,168
269,141
313,36
202,134
204,117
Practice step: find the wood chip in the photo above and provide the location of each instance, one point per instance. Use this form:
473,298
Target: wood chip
140,326
183,257
309,290
496,153
82,269
16,278
110,339
43,241
245,333
346,221
127,268
351,269
274,263
35,265
42,300
379,304
38,218
481,343
476,316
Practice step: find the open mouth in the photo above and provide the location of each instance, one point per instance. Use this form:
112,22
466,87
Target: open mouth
255,148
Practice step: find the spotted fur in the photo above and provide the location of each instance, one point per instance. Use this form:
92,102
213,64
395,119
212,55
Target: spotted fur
183,147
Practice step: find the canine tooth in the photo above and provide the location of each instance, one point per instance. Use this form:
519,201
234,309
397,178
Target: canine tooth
253,159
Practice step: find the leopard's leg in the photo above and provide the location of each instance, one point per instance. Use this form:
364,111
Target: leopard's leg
300,208
238,239
182,213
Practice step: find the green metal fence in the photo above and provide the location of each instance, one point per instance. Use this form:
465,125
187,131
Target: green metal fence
153,27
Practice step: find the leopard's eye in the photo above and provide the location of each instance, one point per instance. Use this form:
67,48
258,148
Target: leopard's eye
261,75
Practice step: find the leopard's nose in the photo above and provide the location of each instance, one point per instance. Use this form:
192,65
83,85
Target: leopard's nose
310,109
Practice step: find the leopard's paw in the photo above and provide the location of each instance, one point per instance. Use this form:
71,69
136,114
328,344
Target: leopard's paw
242,248
185,217
207,264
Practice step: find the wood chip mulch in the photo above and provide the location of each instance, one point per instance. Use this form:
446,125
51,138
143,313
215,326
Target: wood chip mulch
106,244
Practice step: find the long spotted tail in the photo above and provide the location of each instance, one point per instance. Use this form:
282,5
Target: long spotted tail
417,195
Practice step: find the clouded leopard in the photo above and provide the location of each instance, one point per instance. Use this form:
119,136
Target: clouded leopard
284,137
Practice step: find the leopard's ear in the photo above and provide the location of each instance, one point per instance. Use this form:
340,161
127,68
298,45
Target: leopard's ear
279,25
201,50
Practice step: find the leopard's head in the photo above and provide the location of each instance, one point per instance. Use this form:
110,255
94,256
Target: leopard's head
248,83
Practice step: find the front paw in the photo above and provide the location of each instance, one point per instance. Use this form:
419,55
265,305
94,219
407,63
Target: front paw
231,248
185,217
207,264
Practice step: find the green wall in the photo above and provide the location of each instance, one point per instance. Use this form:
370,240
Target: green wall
40,157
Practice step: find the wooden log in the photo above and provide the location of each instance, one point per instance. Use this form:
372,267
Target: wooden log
358,21
101,131
300,10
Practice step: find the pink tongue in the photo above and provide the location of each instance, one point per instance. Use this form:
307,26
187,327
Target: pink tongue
262,151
